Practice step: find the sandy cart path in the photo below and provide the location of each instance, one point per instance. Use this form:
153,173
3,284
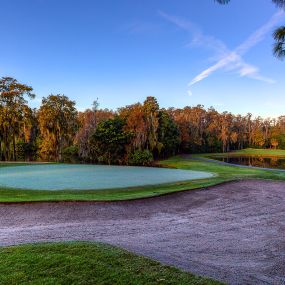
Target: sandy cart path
233,232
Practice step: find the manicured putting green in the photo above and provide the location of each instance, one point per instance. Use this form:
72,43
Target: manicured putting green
85,177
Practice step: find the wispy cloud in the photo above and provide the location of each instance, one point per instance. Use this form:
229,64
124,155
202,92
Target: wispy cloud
260,34
227,60
198,38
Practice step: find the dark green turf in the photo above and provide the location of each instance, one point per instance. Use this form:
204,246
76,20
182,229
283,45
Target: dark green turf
86,263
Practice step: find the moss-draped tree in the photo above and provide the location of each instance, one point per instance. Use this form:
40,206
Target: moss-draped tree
58,125
13,118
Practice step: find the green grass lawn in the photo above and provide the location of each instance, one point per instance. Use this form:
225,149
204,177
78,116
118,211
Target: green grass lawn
222,173
255,152
86,263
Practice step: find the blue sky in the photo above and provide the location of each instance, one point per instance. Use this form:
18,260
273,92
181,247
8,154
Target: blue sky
184,52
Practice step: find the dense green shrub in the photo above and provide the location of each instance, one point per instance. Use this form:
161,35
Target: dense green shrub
70,154
141,157
108,143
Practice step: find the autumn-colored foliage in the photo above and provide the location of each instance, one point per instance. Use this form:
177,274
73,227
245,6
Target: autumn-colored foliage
135,134
57,119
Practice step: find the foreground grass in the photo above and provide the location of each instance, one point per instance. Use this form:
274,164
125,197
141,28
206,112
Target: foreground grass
222,173
85,263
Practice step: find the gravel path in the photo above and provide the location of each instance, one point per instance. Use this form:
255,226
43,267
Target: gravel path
233,232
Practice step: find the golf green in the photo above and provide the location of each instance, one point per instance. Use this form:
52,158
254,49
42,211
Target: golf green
89,177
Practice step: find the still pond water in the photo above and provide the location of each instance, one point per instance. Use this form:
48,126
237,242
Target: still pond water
257,161
83,177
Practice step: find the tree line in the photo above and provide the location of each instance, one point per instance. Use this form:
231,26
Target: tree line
136,134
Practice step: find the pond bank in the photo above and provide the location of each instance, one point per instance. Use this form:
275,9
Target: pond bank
205,159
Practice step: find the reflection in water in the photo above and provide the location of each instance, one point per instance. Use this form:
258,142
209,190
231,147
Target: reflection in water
258,161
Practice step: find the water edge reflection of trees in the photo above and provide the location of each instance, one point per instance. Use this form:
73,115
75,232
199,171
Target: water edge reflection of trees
256,161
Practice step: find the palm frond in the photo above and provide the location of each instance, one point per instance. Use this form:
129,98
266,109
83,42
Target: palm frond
279,46
279,34
223,1
279,3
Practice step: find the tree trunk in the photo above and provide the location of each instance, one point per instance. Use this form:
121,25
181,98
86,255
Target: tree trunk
14,148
